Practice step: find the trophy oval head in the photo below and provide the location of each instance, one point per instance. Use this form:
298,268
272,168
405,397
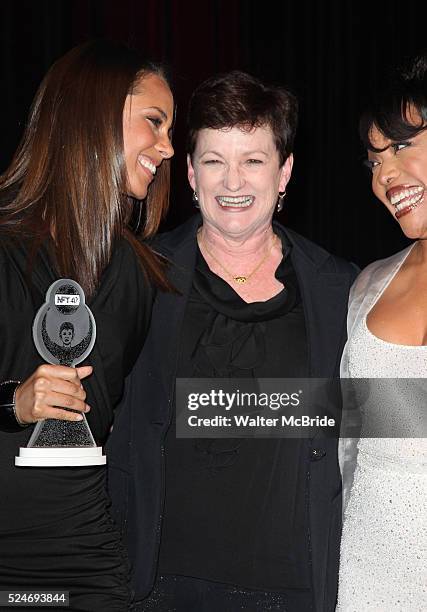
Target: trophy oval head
64,329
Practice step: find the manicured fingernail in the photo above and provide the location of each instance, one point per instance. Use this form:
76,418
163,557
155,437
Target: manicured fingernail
79,417
87,408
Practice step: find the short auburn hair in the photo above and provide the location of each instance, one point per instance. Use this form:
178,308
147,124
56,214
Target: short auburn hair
237,99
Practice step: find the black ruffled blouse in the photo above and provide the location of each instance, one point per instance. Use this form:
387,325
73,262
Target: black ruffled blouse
235,509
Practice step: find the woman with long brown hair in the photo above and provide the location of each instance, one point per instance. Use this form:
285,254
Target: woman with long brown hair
98,135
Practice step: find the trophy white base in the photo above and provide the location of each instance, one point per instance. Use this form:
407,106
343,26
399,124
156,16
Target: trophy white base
49,456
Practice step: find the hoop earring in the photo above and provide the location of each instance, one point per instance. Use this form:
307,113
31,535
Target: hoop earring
196,199
279,205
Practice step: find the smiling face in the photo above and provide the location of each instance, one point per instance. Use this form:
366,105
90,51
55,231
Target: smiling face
399,179
237,177
147,120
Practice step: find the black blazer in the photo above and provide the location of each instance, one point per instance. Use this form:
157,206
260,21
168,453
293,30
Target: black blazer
135,448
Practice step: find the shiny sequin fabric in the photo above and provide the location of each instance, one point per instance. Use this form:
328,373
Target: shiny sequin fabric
384,543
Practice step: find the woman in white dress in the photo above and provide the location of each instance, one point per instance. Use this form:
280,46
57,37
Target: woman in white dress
383,549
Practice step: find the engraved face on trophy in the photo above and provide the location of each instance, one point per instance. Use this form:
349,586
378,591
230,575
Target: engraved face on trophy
64,327
66,333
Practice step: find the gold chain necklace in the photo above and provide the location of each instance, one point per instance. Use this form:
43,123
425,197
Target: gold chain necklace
240,279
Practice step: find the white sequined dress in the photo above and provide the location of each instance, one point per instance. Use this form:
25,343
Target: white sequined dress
383,548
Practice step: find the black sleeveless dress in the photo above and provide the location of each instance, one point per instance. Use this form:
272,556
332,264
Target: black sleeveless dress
55,529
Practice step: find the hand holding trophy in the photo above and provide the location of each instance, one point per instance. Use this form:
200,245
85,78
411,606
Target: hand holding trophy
64,333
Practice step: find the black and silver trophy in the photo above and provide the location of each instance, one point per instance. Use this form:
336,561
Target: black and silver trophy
64,333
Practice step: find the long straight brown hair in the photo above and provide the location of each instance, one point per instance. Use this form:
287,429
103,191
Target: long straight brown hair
68,176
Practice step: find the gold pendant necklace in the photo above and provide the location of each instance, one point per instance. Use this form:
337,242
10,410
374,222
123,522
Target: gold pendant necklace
240,278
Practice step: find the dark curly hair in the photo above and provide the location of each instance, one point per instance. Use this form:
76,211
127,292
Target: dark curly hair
391,111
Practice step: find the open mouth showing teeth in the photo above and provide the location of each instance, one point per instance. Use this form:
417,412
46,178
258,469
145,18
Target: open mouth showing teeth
147,164
406,200
235,201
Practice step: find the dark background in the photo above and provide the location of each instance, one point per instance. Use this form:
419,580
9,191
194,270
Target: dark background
331,53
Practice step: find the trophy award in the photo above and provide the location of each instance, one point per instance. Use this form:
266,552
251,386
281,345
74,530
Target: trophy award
64,333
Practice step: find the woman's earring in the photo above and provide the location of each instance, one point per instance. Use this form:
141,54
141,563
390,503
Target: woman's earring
196,199
279,206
